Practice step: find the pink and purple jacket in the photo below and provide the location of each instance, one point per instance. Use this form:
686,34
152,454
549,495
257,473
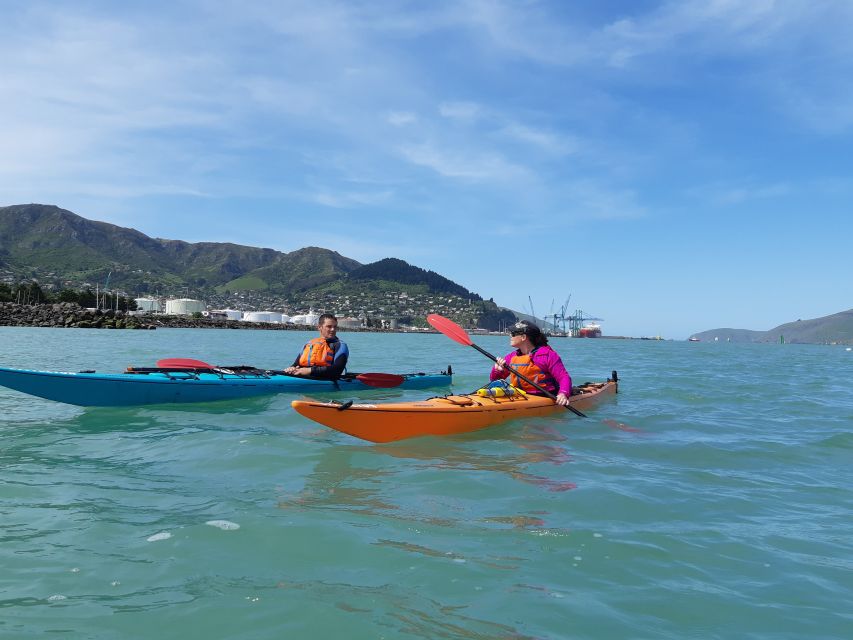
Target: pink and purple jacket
549,363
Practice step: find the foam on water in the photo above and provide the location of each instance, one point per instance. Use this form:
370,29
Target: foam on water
163,535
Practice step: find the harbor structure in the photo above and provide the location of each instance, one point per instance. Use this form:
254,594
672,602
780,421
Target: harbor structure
184,307
151,305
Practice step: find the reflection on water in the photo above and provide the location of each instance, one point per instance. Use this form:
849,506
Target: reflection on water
19,410
367,478
404,611
335,483
533,443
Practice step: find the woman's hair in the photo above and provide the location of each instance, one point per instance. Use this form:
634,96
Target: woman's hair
533,332
539,340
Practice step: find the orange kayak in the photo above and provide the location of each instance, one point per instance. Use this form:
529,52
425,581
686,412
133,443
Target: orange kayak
444,415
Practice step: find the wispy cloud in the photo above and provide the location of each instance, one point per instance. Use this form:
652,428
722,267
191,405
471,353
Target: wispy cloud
740,192
465,164
587,200
345,200
401,118
467,111
559,144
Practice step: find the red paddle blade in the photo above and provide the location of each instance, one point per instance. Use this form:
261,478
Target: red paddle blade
449,328
183,363
385,380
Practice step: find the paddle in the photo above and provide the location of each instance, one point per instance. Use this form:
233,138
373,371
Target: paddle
380,380
458,334
383,380
183,363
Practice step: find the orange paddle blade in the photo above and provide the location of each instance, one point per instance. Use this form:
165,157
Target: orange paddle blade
449,328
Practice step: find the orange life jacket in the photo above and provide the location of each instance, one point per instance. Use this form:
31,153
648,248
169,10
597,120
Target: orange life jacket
318,353
526,367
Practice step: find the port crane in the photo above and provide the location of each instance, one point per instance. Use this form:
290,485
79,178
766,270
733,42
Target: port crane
553,317
559,319
569,323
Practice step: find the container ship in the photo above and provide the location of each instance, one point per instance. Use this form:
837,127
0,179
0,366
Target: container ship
590,330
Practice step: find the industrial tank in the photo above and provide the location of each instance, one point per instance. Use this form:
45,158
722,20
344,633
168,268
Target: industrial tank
256,316
147,304
184,307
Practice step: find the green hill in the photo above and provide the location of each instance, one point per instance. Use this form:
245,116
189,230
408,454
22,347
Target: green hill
61,249
299,270
393,269
52,244
833,329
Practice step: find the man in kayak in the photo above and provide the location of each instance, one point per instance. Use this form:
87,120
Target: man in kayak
535,360
322,357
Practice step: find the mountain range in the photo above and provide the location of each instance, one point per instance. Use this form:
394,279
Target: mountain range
833,329
64,250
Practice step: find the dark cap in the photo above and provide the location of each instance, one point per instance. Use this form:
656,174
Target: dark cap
525,327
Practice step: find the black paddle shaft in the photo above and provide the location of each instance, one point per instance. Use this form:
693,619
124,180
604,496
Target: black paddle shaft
531,383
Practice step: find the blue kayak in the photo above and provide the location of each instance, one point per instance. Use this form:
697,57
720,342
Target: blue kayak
160,386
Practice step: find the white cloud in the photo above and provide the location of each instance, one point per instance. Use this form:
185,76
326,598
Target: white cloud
727,194
468,165
548,141
401,118
468,111
346,200
588,199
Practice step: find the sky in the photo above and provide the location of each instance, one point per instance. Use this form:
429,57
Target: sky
669,167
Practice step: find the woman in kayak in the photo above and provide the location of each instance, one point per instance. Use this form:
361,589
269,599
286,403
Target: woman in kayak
322,357
535,360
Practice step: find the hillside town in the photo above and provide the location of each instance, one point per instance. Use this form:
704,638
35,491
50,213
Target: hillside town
388,310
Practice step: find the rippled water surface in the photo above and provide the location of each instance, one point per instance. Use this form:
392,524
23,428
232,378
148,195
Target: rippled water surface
711,499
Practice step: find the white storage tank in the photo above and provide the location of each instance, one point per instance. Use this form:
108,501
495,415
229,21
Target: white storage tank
349,323
309,318
147,304
256,316
184,307
285,318
233,314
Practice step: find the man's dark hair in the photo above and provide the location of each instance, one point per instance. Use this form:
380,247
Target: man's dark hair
326,316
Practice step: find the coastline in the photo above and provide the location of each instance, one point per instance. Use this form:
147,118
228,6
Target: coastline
70,315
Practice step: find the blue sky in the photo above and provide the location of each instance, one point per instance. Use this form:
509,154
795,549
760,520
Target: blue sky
673,166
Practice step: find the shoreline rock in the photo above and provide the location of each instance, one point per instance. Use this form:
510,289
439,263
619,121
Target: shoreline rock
67,315
70,315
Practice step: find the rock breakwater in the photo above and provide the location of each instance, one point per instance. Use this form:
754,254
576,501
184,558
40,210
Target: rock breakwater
71,315
68,314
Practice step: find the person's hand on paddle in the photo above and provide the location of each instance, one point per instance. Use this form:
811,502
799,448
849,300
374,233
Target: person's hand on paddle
562,399
298,371
500,364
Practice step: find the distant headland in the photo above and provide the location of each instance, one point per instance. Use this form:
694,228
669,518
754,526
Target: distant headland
833,329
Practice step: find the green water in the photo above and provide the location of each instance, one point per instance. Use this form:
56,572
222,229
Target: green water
722,510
